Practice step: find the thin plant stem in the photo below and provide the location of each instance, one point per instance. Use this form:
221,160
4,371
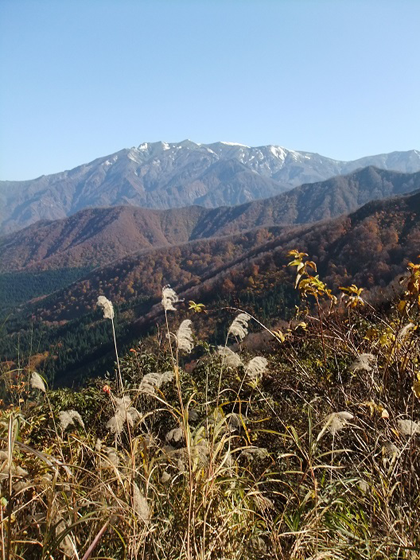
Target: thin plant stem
119,379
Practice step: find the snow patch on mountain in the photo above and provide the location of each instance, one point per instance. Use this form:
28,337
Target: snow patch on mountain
233,144
167,175
278,152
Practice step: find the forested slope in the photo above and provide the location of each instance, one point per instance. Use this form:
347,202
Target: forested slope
370,247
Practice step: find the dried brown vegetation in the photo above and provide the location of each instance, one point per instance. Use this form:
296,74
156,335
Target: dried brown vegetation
310,452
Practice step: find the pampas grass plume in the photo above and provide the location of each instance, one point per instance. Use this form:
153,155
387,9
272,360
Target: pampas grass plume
256,367
141,507
152,381
363,362
408,427
239,327
107,307
169,297
184,336
230,358
337,421
37,382
70,417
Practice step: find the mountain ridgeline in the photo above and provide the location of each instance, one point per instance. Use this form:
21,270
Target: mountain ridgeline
162,175
370,247
95,237
362,227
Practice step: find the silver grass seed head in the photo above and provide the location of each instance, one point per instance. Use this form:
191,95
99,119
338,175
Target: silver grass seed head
229,357
111,460
363,362
116,424
405,331
390,450
336,421
167,376
133,415
239,326
169,297
256,367
200,452
252,452
150,382
408,427
140,505
107,307
124,413
184,336
175,435
262,502
37,382
166,477
70,418
153,381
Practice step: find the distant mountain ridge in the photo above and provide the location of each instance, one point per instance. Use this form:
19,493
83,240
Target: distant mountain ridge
370,247
95,237
167,175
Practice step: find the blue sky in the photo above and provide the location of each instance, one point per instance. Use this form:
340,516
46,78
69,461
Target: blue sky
83,79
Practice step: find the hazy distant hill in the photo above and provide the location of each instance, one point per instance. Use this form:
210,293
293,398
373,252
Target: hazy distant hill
162,175
94,237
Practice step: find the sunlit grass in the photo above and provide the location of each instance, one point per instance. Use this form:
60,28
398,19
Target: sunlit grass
309,452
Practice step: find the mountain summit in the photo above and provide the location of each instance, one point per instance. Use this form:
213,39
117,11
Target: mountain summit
167,175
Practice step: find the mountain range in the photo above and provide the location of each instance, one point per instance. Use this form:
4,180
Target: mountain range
370,247
164,175
362,227
95,237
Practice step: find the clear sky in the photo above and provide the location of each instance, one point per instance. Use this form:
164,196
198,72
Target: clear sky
82,79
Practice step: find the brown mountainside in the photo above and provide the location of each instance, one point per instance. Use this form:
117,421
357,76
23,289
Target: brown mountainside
370,247
95,237
311,202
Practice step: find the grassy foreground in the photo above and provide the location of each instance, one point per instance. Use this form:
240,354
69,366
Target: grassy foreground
198,453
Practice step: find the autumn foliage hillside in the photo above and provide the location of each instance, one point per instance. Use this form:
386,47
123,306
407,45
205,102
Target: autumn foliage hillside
370,247
191,450
99,236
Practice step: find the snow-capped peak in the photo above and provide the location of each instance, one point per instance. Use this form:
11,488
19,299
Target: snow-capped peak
278,152
234,144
